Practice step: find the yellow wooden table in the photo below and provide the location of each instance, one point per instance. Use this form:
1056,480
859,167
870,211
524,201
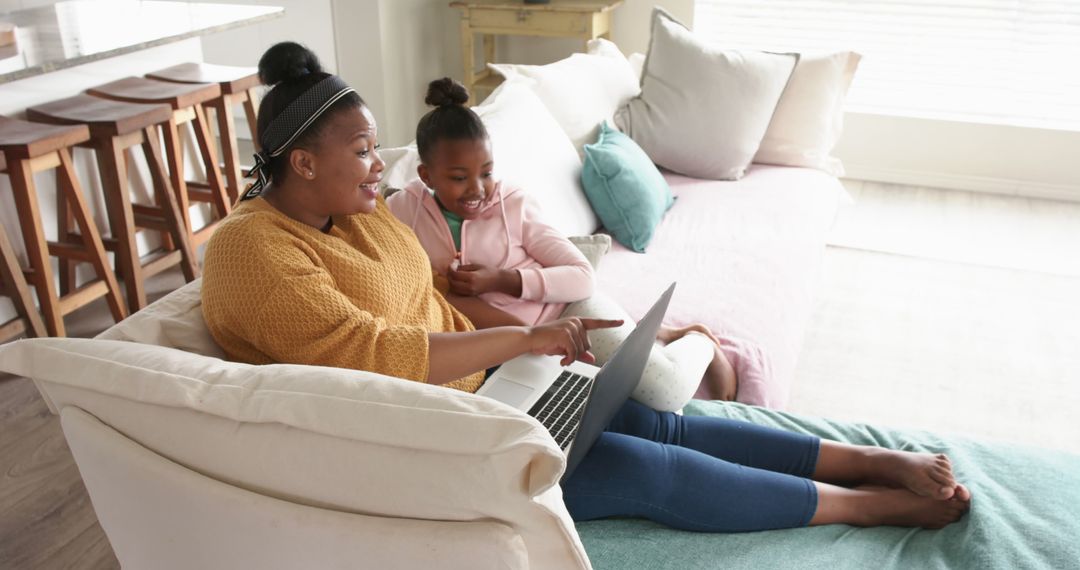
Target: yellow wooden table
583,19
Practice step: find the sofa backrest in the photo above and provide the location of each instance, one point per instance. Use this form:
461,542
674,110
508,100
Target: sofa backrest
329,438
158,514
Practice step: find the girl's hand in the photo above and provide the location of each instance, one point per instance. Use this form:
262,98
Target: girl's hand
567,337
472,279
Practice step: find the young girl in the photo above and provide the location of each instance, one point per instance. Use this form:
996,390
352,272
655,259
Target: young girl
490,242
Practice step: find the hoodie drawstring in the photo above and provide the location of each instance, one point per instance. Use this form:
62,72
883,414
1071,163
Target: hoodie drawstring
506,229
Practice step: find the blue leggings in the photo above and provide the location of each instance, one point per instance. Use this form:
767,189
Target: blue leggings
695,473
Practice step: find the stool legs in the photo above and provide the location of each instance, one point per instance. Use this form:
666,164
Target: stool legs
38,250
12,279
170,209
111,164
213,191
251,109
124,217
75,206
226,120
26,201
218,196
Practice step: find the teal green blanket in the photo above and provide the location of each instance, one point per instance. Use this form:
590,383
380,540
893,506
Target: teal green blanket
1025,514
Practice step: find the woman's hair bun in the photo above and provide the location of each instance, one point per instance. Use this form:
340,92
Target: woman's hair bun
445,92
287,61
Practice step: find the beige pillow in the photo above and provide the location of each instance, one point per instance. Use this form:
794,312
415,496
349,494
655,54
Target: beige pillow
175,321
593,247
703,111
810,116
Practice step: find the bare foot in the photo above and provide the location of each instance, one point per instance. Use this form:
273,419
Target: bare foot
926,474
874,505
900,507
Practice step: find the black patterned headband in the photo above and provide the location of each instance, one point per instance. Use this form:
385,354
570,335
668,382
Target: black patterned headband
290,124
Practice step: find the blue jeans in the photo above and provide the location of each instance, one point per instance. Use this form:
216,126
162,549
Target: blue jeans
695,473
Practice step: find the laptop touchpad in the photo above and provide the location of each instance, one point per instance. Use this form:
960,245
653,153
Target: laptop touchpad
508,391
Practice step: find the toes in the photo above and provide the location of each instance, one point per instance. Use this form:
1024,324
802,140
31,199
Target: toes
945,492
963,493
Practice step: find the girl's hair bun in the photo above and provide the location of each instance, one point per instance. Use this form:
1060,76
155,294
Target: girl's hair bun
446,92
287,61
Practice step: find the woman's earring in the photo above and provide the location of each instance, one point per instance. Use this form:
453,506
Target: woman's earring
310,174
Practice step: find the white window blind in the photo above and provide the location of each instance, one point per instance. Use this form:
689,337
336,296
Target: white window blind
998,61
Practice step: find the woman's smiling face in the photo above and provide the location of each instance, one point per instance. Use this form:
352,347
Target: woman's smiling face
460,173
347,167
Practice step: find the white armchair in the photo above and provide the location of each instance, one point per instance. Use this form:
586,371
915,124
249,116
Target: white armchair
195,462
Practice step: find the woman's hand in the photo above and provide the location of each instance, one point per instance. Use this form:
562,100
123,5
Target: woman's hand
472,280
567,337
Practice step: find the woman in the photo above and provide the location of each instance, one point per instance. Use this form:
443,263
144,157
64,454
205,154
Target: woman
313,269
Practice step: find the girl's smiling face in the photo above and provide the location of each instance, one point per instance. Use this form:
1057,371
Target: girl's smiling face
459,171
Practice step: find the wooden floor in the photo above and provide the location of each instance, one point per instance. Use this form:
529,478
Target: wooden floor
46,520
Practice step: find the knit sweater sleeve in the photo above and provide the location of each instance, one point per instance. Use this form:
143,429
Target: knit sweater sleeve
566,276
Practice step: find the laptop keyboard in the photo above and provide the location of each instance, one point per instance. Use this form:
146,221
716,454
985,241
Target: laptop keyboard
560,408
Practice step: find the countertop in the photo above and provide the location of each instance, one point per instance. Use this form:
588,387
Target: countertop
75,32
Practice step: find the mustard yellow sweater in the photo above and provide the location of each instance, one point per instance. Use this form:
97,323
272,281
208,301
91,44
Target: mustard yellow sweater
362,296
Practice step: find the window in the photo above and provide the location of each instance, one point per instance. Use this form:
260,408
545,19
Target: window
997,61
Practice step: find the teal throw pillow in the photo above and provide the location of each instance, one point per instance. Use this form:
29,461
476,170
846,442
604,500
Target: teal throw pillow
625,189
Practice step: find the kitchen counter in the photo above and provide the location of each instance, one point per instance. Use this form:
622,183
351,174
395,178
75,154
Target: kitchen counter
77,32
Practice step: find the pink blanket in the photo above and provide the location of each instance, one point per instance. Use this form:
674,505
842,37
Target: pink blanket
746,256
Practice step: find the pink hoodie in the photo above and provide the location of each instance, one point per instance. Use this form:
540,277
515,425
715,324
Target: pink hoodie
509,234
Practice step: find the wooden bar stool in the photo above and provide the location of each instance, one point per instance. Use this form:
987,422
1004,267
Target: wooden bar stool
114,128
238,86
30,148
186,100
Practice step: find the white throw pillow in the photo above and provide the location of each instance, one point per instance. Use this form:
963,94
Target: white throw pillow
581,91
637,63
175,321
703,111
532,151
401,163
810,116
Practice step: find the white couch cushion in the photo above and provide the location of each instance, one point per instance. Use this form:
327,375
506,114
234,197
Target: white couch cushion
532,151
810,116
324,437
581,91
703,111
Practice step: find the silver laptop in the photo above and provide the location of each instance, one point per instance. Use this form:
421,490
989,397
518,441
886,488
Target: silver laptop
576,402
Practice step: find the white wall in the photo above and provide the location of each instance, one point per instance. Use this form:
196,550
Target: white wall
309,22
389,50
1002,159
13,5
